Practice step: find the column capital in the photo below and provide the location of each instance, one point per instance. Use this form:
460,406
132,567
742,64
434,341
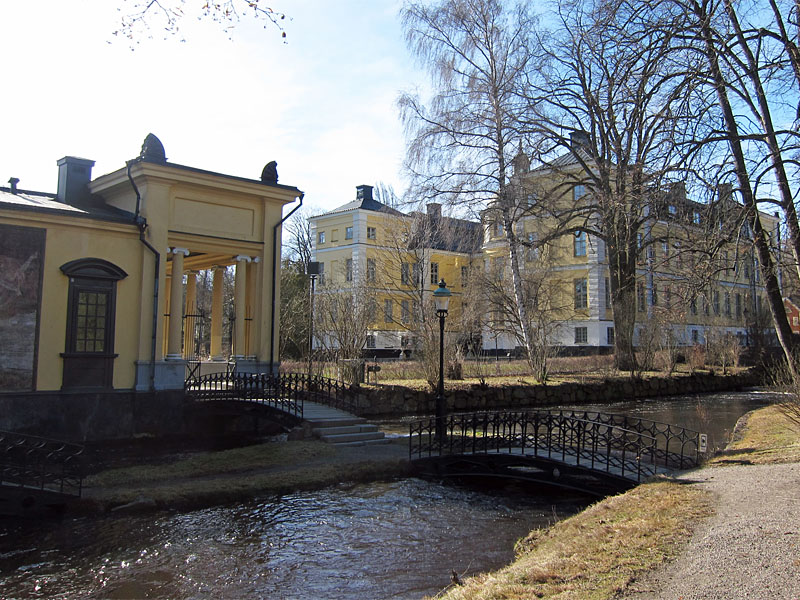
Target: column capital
184,251
243,257
257,259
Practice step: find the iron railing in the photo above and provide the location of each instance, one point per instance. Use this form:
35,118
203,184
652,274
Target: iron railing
38,463
607,443
286,392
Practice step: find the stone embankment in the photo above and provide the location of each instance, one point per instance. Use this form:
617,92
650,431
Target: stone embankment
390,401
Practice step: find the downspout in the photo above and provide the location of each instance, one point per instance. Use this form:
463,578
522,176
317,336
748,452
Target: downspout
141,223
275,263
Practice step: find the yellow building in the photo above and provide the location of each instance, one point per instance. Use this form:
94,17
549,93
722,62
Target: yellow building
95,282
393,261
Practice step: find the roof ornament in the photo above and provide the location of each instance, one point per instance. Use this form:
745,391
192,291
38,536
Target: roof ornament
270,172
153,150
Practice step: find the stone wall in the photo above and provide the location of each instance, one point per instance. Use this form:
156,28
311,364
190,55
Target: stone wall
393,401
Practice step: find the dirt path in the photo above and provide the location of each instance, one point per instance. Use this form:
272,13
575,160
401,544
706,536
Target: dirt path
750,549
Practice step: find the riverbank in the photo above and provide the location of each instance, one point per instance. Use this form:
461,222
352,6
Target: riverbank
208,479
728,530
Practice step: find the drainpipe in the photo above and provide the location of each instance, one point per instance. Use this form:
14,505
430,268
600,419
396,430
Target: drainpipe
141,223
275,264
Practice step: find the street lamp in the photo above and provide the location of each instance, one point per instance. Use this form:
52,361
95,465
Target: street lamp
312,270
441,299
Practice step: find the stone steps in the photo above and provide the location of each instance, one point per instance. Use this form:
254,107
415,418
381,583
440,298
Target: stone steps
335,426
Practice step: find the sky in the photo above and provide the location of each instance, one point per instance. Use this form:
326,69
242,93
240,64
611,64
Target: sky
323,104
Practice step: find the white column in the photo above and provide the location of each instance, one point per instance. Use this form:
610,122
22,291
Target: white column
191,302
176,305
216,313
240,304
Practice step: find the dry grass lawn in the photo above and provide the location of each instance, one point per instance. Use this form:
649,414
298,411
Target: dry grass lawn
596,553
768,436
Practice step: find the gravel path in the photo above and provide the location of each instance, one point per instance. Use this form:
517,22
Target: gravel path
750,549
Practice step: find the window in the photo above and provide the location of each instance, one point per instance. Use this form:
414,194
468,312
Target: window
672,209
464,276
727,304
348,233
578,192
416,271
608,293
706,306
405,273
434,272
696,217
610,336
334,235
415,311
372,309
667,296
371,270
581,335
654,296
579,243
640,297
533,251
322,273
370,341
715,297
372,233
387,311
348,267
693,306
91,314
321,237
498,229
406,312
695,336
581,300
738,304
665,250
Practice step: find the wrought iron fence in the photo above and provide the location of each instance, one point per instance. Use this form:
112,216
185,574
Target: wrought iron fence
38,463
286,391
607,443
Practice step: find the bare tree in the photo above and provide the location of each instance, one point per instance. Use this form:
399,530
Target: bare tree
462,142
140,17
610,104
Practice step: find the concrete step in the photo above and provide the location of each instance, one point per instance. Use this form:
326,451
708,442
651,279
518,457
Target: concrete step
323,423
351,437
360,428
374,442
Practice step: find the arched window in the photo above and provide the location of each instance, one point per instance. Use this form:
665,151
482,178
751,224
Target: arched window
91,311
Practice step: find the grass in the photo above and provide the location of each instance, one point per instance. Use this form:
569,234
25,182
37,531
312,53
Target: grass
597,553
234,475
767,436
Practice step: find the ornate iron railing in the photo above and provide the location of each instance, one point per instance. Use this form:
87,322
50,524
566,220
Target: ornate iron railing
632,450
37,463
286,392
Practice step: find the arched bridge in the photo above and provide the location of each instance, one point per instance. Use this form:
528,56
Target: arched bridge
589,451
279,397
37,473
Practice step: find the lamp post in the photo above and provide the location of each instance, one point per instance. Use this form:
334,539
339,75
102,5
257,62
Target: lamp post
313,271
441,299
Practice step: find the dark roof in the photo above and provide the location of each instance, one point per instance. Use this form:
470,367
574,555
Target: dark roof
367,204
450,234
47,203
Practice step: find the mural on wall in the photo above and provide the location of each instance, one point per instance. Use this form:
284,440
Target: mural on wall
21,252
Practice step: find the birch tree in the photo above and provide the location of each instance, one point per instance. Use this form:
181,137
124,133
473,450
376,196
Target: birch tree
461,142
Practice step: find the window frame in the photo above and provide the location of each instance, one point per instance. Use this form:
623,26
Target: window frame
581,335
581,293
348,233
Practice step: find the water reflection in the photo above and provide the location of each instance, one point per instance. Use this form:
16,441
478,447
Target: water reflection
395,540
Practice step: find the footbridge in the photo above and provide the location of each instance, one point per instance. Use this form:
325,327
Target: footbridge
593,452
38,473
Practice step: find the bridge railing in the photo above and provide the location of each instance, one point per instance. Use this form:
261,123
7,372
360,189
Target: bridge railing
598,444
677,447
285,391
39,463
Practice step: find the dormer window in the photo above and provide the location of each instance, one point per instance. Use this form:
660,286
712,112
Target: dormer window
578,192
672,209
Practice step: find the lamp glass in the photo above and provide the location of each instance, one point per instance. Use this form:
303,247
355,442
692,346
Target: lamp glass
441,297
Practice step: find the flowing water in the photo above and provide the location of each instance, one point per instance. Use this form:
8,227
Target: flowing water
374,541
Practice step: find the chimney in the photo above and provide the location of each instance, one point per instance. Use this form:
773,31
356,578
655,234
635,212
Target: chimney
74,175
13,183
579,140
434,210
725,192
363,192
